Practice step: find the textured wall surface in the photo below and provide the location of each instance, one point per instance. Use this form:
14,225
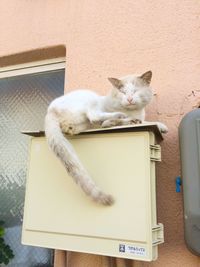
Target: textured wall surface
113,38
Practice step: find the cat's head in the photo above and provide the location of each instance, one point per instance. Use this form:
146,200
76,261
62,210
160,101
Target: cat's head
132,91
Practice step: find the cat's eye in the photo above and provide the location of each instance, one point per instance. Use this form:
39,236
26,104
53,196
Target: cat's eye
122,91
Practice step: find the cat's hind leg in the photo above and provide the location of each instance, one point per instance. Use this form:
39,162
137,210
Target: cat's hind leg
73,128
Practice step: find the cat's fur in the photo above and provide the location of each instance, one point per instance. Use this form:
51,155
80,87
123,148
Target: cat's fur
80,110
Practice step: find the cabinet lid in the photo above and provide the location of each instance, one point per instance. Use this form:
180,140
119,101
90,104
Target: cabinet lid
150,127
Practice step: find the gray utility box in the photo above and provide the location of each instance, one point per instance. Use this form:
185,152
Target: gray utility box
189,133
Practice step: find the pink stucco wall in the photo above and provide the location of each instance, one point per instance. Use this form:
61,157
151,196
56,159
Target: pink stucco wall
113,38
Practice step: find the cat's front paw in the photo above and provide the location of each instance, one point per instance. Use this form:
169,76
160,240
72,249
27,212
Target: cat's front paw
162,127
119,115
135,121
109,123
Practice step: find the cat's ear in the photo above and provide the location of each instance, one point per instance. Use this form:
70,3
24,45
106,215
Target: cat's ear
116,82
146,77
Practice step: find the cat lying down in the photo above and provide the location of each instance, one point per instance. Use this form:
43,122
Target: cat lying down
81,110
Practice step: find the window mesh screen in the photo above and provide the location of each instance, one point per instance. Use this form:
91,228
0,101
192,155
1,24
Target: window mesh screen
23,104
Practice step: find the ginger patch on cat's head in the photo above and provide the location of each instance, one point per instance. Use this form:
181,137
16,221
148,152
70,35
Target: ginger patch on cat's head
146,77
117,83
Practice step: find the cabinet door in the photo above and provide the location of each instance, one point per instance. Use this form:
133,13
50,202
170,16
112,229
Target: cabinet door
118,162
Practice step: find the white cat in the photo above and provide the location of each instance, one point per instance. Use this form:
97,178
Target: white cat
80,110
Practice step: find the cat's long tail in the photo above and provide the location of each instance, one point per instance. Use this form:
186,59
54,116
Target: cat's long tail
65,152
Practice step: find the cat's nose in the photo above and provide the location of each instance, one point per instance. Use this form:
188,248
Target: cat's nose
130,100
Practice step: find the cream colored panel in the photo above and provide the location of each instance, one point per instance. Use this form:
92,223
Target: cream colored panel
116,163
59,215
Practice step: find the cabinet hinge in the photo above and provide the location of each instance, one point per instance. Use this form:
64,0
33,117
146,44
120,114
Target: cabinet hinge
158,234
155,152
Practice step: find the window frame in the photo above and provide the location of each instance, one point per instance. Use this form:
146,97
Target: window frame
33,67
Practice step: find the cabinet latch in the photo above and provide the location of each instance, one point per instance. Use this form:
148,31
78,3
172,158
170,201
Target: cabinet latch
158,234
155,152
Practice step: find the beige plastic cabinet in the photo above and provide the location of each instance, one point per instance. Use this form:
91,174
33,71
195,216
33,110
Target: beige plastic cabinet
122,162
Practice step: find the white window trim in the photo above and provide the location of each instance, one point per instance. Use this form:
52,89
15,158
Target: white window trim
33,67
